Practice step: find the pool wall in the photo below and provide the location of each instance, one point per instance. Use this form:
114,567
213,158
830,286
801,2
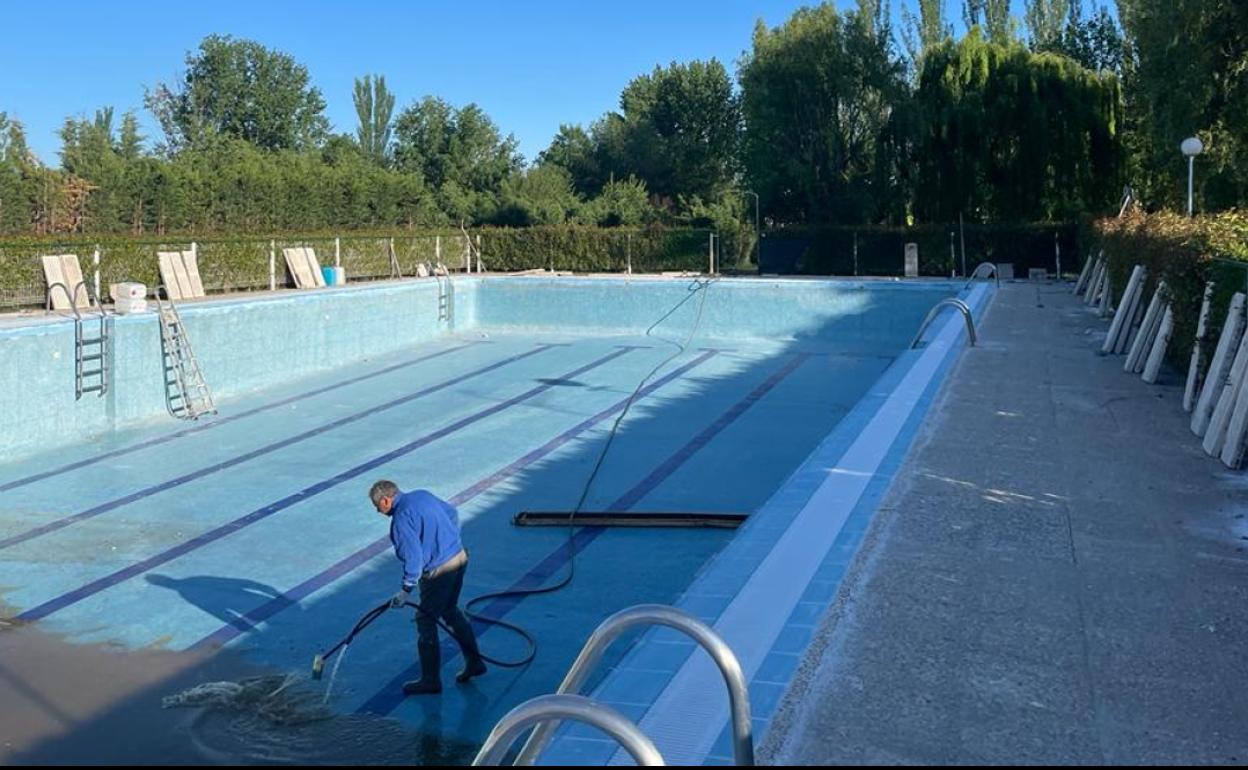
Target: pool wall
242,344
767,590
247,343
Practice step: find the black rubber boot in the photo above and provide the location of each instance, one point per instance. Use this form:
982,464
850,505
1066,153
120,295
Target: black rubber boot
430,682
475,667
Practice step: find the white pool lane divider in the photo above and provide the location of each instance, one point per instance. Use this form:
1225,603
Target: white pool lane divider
1219,366
1141,345
1094,285
688,715
1120,328
1193,367
1084,275
1152,366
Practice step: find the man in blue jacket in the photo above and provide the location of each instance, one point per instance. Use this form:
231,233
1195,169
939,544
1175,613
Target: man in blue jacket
425,532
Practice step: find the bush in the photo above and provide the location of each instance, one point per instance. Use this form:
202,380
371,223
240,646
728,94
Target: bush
242,264
1185,253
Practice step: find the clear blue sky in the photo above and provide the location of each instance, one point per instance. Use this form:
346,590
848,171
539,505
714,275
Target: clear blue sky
531,64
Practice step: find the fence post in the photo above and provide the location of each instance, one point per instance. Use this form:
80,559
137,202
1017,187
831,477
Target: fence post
1057,251
628,252
437,249
710,254
855,253
272,265
962,232
478,252
337,251
953,258
95,262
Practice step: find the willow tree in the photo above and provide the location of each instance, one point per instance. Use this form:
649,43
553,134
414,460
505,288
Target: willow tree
1009,135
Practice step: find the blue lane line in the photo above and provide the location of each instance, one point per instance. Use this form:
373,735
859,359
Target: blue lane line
390,696
90,589
222,421
248,621
110,505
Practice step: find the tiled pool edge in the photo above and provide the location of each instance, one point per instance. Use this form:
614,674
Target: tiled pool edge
677,698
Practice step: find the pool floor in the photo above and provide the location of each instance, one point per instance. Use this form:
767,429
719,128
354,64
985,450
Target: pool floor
253,529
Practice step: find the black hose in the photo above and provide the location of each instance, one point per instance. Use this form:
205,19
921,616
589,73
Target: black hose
318,662
698,286
695,287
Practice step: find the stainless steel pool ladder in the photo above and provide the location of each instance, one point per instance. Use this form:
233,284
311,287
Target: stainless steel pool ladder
446,293
86,349
992,270
192,397
953,302
547,714
543,709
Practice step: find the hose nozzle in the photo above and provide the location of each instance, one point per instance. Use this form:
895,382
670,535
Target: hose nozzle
318,666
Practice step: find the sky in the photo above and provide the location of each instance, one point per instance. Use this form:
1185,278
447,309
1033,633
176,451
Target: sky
530,64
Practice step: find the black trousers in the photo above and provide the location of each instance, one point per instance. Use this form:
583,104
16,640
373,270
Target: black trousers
439,597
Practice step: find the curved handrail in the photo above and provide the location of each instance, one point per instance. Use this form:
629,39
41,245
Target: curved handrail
542,709
975,274
954,302
71,296
662,615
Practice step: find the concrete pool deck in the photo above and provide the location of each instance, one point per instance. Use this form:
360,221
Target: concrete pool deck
1058,575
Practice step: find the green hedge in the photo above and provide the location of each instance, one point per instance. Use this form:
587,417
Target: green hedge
1185,253
830,250
242,264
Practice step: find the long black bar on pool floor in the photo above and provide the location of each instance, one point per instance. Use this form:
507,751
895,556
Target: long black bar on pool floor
628,519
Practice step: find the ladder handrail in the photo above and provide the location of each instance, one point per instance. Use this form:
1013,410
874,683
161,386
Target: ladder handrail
545,708
650,615
975,274
177,361
80,340
954,302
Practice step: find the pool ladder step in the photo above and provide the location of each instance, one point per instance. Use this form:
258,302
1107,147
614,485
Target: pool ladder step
186,393
446,294
87,350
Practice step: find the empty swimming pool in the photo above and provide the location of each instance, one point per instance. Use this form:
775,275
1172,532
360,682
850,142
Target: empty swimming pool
251,530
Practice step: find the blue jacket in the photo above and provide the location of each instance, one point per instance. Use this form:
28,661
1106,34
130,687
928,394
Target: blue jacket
425,532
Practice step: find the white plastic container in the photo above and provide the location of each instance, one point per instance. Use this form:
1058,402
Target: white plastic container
127,290
128,305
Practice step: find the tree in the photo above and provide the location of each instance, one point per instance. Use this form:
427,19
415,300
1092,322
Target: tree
542,195
1185,76
623,203
680,126
459,153
1045,21
817,94
1009,135
930,28
574,151
241,89
992,16
374,105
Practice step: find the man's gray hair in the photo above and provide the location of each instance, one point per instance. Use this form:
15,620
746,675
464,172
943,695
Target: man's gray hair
382,489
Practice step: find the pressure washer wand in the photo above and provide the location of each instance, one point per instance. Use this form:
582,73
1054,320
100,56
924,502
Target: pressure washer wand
318,661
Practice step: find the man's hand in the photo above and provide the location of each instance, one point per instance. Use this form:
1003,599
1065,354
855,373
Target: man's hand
398,600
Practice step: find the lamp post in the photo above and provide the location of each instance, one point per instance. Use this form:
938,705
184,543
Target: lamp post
1191,147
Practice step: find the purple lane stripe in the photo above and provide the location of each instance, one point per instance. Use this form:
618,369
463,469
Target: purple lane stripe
390,696
659,474
223,420
270,608
110,505
90,589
